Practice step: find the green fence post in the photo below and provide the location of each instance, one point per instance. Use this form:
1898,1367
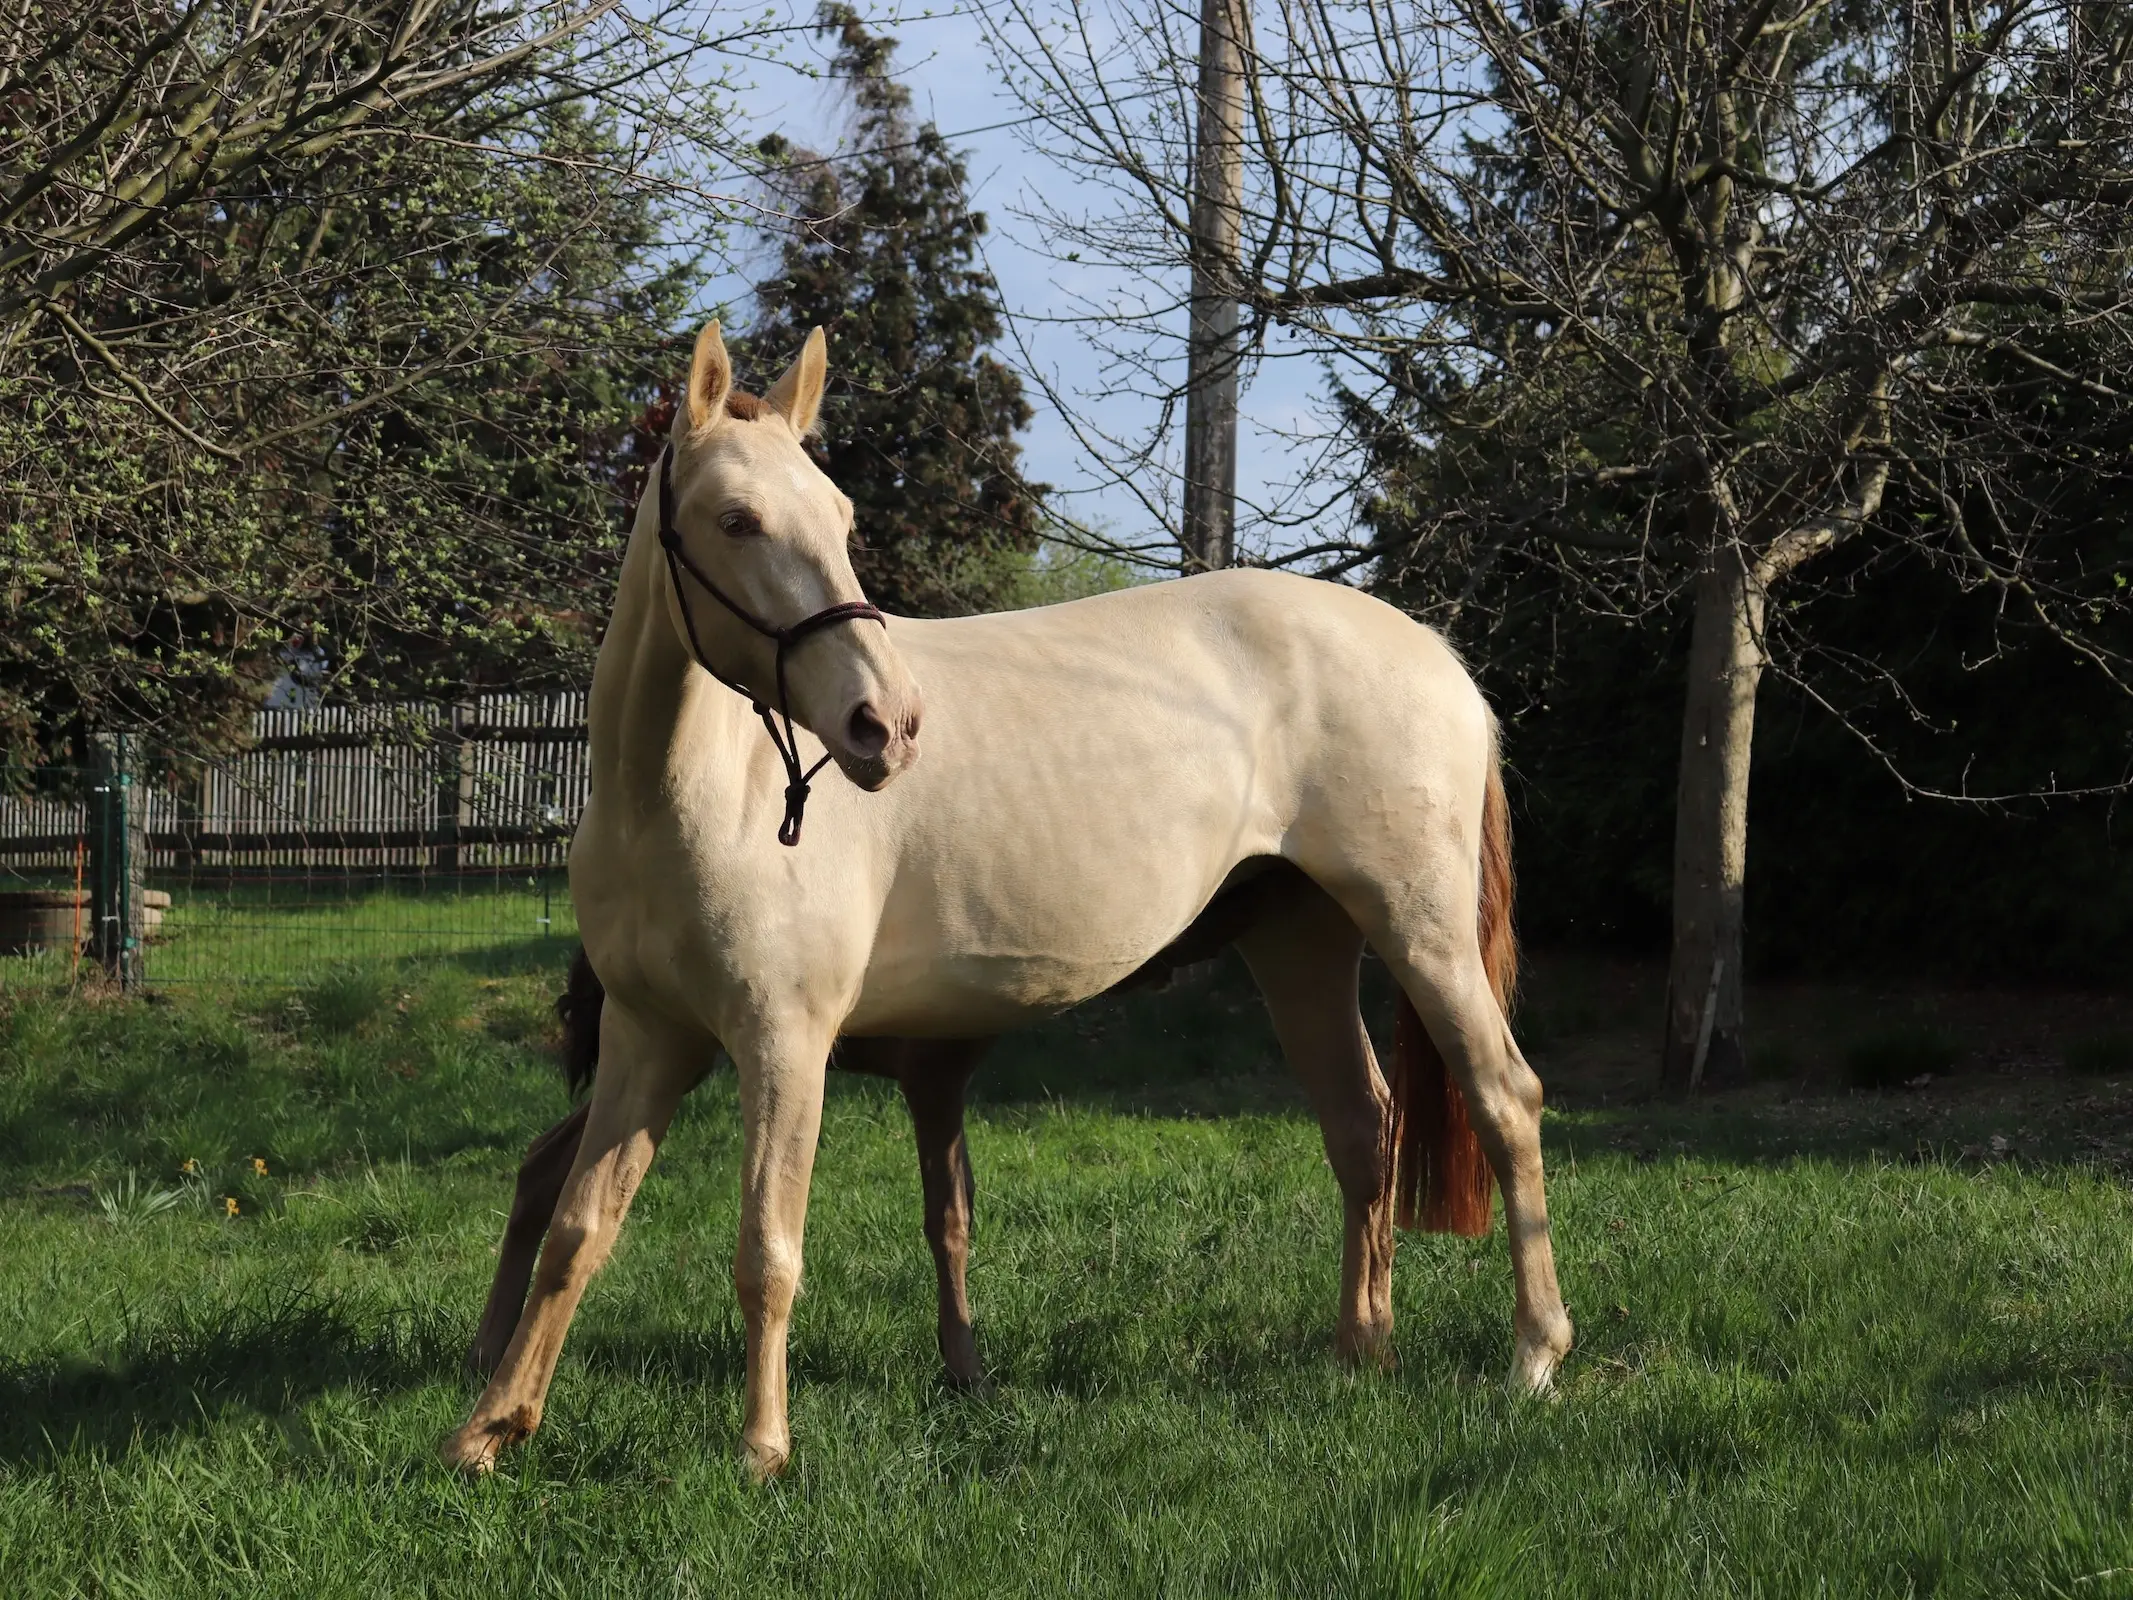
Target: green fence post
118,842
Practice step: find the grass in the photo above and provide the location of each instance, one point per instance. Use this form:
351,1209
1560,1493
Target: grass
299,929
1829,1342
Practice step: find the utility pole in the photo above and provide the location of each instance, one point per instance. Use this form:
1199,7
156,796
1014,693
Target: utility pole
1210,523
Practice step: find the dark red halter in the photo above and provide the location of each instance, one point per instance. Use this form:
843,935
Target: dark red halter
797,778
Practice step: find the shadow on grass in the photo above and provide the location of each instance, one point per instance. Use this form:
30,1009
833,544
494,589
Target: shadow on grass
1203,1048
177,1376
2035,1120
515,958
530,956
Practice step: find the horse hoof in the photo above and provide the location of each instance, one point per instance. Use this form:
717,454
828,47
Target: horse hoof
470,1452
1364,1352
1533,1368
764,1461
962,1372
960,1368
473,1449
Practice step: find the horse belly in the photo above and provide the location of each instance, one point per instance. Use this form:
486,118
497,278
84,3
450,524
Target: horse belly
988,944
958,997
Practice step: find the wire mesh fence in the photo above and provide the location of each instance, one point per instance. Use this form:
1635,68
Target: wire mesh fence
339,835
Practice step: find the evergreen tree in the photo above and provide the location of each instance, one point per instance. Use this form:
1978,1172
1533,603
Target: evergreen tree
919,425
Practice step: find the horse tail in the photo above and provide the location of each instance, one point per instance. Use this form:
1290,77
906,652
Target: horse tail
578,1009
1440,1178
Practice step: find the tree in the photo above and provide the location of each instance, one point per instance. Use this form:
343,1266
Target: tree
1676,301
320,326
920,422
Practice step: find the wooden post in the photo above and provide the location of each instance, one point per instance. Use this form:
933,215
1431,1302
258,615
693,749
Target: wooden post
455,788
1210,520
192,791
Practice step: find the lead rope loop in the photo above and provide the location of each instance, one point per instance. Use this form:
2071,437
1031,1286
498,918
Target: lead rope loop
799,780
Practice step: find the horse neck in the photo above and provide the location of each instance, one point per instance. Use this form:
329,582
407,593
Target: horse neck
655,716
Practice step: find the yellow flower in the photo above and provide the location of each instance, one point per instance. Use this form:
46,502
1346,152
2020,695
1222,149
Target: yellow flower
259,1165
189,1165
229,1204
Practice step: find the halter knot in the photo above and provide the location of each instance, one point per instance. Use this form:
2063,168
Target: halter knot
795,812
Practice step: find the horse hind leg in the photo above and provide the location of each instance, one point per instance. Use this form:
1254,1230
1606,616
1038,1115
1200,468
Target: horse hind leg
1305,954
1448,986
540,1187
934,1076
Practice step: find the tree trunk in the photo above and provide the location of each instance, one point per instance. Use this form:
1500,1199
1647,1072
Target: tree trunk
1703,1005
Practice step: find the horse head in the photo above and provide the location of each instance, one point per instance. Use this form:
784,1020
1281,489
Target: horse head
765,532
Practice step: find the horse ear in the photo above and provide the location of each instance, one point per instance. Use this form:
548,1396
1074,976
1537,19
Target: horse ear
710,379
798,395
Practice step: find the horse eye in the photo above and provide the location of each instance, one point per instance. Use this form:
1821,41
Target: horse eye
740,524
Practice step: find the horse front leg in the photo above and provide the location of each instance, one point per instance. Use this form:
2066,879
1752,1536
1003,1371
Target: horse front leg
541,1176
934,1077
642,1079
781,1081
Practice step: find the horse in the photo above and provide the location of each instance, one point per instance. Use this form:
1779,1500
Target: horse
1097,774
933,1076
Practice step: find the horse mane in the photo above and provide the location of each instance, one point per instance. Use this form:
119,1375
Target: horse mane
743,406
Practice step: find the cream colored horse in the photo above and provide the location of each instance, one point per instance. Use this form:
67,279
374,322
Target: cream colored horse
1095,774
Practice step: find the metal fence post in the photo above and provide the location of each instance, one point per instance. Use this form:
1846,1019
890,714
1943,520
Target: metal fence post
118,842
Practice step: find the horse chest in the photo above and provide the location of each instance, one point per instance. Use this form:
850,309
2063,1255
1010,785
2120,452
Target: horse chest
699,940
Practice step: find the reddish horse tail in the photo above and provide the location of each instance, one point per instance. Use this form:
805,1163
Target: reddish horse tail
1440,1180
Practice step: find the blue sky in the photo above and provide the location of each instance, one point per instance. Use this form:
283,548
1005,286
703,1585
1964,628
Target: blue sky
944,60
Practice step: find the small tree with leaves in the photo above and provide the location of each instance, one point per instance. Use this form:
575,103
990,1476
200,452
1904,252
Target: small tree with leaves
319,324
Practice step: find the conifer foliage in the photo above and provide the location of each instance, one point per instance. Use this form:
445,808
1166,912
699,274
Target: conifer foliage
920,421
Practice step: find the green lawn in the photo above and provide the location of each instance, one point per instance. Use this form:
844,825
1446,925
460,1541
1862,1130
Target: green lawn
278,931
1829,1343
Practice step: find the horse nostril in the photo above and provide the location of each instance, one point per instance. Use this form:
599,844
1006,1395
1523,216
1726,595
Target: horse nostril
911,724
865,733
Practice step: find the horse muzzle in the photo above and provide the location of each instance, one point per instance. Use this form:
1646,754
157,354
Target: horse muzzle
872,746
